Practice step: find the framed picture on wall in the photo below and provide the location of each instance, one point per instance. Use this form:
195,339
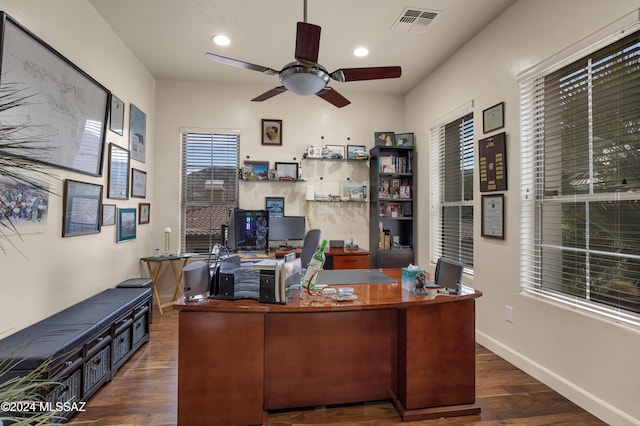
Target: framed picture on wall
116,115
137,133
82,208
108,214
271,132
493,118
275,206
144,212
126,224
493,216
118,182
138,183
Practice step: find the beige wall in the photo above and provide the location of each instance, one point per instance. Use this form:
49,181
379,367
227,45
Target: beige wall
56,272
593,361
305,120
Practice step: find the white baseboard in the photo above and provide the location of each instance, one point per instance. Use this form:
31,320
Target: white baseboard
589,402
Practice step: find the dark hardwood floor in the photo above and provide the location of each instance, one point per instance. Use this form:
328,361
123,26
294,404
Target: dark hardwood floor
144,392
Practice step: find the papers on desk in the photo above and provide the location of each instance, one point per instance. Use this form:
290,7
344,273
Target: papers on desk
265,264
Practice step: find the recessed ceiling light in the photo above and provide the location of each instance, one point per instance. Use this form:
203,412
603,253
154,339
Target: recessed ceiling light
221,40
361,51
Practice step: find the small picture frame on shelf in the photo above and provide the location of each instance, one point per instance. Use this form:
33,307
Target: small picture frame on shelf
405,191
286,171
334,152
384,138
357,153
259,169
404,139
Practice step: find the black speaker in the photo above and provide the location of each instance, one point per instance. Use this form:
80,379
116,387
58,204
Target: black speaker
267,286
223,286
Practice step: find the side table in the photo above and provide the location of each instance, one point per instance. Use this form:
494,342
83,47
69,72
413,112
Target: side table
154,265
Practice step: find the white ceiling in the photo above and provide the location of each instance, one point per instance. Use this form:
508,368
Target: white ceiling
170,37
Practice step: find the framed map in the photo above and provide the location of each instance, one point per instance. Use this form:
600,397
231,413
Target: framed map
63,110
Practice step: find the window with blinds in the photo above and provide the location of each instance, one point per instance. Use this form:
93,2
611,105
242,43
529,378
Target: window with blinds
452,158
209,187
581,182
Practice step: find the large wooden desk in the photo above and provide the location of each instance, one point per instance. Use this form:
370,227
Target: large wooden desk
240,359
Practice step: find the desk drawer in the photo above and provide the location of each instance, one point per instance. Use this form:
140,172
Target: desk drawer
354,261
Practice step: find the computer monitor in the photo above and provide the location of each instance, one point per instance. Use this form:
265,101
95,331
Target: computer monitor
449,274
287,228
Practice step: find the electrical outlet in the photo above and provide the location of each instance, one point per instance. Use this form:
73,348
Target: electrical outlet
508,313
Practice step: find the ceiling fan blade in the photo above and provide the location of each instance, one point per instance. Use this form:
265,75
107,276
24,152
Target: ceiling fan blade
307,42
372,73
241,64
332,96
270,94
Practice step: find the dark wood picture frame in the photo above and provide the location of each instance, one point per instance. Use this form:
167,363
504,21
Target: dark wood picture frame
144,213
82,208
492,160
271,131
49,102
118,182
492,225
493,118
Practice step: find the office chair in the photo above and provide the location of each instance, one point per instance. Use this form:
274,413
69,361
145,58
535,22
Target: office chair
309,246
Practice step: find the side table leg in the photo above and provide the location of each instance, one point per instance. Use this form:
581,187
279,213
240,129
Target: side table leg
153,273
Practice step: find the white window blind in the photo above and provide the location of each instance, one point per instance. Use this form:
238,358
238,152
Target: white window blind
209,187
581,182
452,163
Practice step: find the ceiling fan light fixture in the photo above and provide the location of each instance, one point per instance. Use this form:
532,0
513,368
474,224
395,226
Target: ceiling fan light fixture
304,80
221,40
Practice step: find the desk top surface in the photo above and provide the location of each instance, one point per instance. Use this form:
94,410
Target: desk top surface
370,296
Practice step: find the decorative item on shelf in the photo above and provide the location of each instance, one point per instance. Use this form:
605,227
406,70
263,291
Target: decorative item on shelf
405,190
247,172
333,152
286,171
357,153
167,241
313,152
393,210
404,139
384,138
259,169
271,174
353,191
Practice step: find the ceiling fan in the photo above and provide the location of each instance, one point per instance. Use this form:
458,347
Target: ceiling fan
305,76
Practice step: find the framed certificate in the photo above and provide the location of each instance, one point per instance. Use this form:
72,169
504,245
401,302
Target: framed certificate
493,118
493,216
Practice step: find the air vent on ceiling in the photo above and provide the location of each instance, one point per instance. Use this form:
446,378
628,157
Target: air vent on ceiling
414,20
